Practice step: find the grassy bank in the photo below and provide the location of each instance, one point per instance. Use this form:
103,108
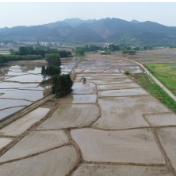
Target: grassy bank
148,83
166,73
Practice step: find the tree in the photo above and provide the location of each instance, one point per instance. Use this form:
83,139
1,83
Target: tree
113,47
52,70
79,51
61,85
24,50
53,59
11,51
145,47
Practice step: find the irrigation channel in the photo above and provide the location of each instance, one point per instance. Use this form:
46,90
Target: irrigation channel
107,126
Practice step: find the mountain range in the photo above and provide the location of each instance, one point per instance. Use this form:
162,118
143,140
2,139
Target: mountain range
112,30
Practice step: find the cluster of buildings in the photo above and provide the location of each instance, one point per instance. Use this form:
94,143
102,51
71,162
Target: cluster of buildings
18,44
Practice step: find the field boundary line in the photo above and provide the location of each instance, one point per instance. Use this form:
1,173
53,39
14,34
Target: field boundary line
155,79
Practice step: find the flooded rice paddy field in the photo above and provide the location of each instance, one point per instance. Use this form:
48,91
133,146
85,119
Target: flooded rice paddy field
20,84
107,125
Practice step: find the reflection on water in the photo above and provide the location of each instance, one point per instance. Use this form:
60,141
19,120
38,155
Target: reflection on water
7,103
8,112
20,86
27,78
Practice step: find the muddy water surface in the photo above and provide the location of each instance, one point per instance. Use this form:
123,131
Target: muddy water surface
19,87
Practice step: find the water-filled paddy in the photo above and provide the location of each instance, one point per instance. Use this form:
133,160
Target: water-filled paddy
130,146
42,140
7,112
30,95
20,82
7,103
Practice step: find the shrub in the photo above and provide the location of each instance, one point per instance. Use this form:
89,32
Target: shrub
127,72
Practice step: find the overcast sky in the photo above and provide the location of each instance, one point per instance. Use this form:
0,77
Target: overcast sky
20,14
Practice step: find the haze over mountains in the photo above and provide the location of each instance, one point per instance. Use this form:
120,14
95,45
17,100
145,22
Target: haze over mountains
89,31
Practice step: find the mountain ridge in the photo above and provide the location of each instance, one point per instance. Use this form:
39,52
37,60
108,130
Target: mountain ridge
76,30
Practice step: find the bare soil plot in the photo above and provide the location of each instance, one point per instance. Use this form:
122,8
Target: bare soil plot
104,77
18,127
130,146
131,68
161,119
30,95
79,98
117,86
35,142
79,70
167,137
4,142
126,112
120,170
122,92
56,162
94,71
71,115
83,88
100,75
7,103
111,81
7,112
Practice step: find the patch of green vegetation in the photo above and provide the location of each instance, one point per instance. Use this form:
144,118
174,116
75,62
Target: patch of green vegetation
82,59
131,52
154,89
127,72
166,73
146,59
106,53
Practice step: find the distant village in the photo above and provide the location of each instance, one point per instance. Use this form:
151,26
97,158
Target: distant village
18,44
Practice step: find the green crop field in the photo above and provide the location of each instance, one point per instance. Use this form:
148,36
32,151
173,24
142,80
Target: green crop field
166,73
149,84
146,59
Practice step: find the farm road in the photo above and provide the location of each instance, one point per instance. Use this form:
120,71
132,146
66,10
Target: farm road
108,126
157,81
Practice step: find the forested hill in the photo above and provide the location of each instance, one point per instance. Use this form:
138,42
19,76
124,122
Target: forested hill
89,31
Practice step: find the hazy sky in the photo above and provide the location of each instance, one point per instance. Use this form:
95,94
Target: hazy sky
19,14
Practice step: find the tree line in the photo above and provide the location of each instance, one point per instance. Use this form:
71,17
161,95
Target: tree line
126,49
39,50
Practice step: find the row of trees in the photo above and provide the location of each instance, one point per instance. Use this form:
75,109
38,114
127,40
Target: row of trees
39,50
61,83
18,57
112,47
